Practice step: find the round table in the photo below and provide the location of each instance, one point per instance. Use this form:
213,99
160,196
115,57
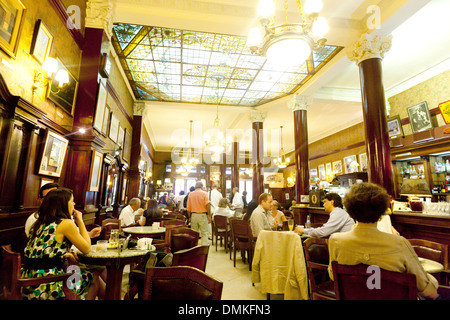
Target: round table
114,262
146,231
431,266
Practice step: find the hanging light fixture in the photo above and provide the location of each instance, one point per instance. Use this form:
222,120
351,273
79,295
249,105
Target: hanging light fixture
282,161
288,44
190,161
216,143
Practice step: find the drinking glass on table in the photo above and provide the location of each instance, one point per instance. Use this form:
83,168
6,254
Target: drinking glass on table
114,238
291,224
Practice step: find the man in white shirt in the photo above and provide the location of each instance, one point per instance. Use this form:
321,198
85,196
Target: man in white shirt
214,197
237,204
258,219
127,215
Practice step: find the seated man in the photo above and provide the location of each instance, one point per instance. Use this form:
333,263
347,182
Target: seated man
339,220
128,214
258,219
366,203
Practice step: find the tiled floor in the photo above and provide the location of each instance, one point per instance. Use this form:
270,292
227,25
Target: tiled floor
237,283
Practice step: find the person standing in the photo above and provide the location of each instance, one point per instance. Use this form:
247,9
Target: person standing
214,197
237,204
199,211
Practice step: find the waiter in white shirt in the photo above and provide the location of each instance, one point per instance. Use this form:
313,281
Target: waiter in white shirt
237,204
214,197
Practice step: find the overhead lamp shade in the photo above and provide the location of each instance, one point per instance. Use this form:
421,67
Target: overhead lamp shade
320,27
313,6
254,37
265,8
288,52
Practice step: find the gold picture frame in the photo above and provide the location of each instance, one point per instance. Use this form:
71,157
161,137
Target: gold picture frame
42,42
66,96
100,107
11,21
95,171
53,154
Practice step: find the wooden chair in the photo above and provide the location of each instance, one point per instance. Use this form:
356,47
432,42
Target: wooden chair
108,225
13,282
221,231
193,257
433,251
176,216
350,283
172,222
317,260
180,283
242,239
181,237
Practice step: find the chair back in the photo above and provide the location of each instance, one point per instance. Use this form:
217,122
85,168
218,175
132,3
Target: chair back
182,238
317,259
193,257
108,225
176,216
220,222
172,222
241,231
431,250
180,283
361,282
12,277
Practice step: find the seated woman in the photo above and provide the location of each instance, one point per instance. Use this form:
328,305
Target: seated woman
366,203
58,227
276,217
223,209
152,212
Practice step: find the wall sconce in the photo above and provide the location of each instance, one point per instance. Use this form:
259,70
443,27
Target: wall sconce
43,75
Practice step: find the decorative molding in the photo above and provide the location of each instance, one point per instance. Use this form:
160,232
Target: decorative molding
369,47
138,108
257,115
99,15
299,102
61,11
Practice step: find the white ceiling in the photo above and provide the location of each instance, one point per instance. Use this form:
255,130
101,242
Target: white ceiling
420,49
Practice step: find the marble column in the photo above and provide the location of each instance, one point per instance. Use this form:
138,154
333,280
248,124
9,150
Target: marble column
257,118
299,105
368,53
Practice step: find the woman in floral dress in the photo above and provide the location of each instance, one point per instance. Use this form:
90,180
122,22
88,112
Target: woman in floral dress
48,248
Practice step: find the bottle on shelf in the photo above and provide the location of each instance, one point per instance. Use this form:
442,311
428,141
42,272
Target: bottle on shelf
308,221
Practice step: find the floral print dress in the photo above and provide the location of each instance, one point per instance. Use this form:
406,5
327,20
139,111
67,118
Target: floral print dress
44,245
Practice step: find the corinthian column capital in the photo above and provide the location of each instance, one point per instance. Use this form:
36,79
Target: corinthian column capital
299,102
99,15
257,115
368,47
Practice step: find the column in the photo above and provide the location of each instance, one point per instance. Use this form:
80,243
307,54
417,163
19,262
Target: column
134,174
257,118
299,105
367,53
235,166
97,35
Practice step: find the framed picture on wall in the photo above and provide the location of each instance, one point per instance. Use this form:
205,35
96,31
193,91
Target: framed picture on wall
321,169
328,169
363,162
395,127
106,119
64,96
127,146
337,166
419,117
100,107
41,43
53,154
11,20
350,163
121,136
105,65
96,170
444,107
114,128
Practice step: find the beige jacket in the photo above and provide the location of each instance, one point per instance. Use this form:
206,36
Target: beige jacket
279,265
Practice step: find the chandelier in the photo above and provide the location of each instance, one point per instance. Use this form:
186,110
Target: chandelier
288,44
187,163
282,161
216,143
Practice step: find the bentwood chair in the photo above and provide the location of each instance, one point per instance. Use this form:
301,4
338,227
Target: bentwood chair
433,251
180,283
108,225
242,239
13,282
351,283
221,231
181,238
317,260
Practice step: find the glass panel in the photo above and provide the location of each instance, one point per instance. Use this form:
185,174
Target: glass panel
164,61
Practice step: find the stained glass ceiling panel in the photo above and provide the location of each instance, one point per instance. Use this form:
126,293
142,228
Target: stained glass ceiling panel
172,65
